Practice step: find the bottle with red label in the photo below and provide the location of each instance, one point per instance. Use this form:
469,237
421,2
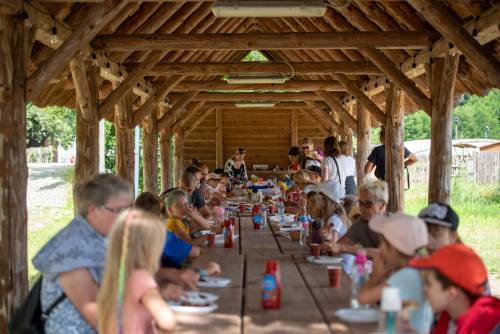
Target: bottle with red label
228,234
257,217
271,286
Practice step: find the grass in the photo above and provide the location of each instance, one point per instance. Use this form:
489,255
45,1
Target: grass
478,207
58,217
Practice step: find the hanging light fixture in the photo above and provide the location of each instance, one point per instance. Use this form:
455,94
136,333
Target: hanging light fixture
246,79
269,8
254,104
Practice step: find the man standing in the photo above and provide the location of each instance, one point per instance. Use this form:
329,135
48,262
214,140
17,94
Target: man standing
376,160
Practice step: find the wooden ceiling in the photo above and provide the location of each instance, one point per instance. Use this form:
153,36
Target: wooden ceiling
171,53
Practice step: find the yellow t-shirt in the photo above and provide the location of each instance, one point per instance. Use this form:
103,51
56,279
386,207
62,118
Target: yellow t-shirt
176,225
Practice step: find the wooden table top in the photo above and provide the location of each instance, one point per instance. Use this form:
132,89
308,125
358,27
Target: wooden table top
308,304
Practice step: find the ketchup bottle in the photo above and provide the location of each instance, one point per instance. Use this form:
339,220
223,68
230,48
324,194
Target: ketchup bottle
228,234
256,217
271,286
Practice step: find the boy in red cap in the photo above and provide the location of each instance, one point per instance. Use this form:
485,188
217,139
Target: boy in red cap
454,283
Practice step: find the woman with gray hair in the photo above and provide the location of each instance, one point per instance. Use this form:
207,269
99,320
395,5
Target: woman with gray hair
72,262
372,200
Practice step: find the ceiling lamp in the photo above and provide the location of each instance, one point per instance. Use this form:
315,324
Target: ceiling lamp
254,104
245,79
269,8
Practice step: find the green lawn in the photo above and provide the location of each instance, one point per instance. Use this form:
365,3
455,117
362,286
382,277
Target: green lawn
479,210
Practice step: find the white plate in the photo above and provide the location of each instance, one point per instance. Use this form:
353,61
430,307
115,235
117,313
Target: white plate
290,229
277,219
205,232
214,282
358,315
326,260
193,309
200,298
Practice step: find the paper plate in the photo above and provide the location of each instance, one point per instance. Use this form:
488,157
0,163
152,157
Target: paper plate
358,315
214,282
179,308
326,260
277,219
199,298
290,228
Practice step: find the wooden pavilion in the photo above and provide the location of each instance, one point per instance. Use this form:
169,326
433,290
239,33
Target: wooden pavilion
160,65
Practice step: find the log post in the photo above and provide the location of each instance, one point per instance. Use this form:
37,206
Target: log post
394,147
219,148
179,154
150,154
444,73
294,137
165,150
124,140
363,141
87,119
13,167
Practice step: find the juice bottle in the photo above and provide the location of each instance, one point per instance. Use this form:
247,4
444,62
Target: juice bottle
257,217
228,234
271,286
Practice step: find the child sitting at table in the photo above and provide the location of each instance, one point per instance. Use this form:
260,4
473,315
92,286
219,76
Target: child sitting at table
442,224
455,280
129,299
313,168
402,237
223,185
295,157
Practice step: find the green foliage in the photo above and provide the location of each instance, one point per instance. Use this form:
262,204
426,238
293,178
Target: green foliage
255,56
109,147
50,123
417,126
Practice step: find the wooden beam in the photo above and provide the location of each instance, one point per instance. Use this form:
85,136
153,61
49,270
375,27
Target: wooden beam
248,68
365,100
219,149
334,104
192,108
197,122
165,151
14,53
81,83
445,21
323,116
165,120
363,137
292,85
11,7
299,96
294,135
163,90
281,41
279,105
97,18
125,159
150,154
394,148
444,73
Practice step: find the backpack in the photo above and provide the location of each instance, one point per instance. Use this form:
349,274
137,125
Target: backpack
29,317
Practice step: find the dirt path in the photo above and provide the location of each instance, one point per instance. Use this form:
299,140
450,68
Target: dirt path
47,192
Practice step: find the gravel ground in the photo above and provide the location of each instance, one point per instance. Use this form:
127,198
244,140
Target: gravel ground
47,192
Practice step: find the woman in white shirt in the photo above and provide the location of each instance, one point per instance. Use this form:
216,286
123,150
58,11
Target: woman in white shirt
350,169
333,165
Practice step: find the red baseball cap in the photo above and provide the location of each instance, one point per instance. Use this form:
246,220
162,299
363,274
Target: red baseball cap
458,263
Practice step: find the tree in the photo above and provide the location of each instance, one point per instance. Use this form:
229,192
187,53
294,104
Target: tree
52,123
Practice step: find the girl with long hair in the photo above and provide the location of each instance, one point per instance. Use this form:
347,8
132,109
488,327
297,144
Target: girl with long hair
333,164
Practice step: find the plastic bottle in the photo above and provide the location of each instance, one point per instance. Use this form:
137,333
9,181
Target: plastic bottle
271,286
228,234
281,211
264,216
257,217
359,276
304,229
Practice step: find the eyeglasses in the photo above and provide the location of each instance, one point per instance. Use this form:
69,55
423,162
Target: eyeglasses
116,210
367,204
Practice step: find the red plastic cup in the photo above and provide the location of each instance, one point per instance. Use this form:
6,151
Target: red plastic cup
242,207
315,250
271,209
232,220
334,274
211,239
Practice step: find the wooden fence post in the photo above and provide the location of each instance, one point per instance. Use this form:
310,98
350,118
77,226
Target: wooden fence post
363,141
124,140
165,154
394,147
444,74
150,153
13,168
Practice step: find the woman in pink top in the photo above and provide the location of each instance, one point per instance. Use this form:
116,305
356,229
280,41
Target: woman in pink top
129,300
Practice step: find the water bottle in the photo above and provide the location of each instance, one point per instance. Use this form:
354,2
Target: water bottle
281,212
304,230
359,276
264,216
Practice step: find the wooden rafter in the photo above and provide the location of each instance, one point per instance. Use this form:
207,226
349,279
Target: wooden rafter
165,120
292,85
335,105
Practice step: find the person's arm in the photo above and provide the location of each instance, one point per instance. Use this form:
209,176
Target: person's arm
159,310
369,167
205,213
81,290
372,290
197,218
184,277
244,176
412,158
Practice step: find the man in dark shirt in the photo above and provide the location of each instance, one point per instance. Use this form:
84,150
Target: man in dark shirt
377,159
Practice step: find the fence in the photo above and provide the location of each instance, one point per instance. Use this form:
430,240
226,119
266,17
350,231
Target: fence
41,154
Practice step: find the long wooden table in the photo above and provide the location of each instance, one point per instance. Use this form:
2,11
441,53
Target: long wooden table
308,304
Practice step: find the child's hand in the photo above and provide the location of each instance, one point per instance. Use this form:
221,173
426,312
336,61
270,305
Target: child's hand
190,211
332,247
212,269
326,232
189,278
172,292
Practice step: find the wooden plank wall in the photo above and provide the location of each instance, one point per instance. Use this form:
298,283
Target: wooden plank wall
264,133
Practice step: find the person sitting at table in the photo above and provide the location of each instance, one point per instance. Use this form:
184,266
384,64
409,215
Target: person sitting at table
194,190
402,238
309,152
350,169
313,168
151,203
129,299
223,185
372,200
295,157
235,167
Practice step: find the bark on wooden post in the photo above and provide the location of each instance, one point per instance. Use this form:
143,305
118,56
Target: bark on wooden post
294,138
87,119
444,73
363,141
165,150
124,140
13,168
179,154
150,154
394,147
219,148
